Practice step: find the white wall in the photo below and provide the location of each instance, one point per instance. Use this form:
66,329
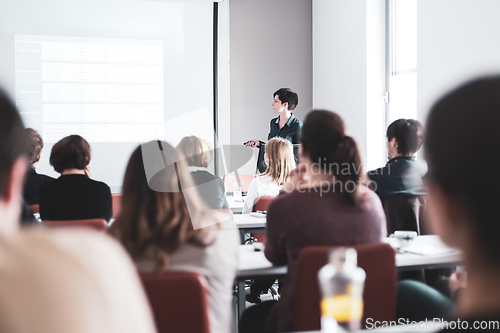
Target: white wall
457,40
376,146
349,69
271,48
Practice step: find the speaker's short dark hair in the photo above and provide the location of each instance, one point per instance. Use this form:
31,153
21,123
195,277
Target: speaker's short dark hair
287,95
71,152
12,137
409,134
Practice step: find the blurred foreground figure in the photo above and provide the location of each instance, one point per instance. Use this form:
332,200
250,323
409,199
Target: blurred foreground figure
59,281
462,129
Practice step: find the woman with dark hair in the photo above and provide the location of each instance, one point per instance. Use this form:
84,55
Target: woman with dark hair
325,204
164,226
285,126
74,196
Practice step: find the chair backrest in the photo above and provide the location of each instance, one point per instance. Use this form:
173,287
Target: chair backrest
117,203
179,301
96,224
262,203
35,209
379,296
404,213
245,181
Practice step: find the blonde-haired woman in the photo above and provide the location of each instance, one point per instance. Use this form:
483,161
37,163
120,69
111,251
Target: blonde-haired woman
199,155
164,226
280,162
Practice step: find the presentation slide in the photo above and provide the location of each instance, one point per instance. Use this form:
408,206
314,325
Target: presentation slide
117,72
106,90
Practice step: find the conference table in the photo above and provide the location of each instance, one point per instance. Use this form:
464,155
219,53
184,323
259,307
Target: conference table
248,223
427,252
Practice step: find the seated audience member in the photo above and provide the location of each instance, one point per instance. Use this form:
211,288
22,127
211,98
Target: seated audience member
161,234
58,281
399,184
325,204
74,196
280,162
33,179
199,154
400,176
462,128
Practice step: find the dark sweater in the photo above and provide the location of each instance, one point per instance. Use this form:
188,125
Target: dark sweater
400,177
32,185
296,220
75,197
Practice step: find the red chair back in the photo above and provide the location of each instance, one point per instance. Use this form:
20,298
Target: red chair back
245,181
35,209
379,296
117,203
96,224
261,205
179,301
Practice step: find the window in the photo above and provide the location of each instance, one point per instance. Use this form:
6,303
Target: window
402,60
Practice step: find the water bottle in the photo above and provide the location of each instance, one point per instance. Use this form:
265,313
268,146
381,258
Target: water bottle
341,282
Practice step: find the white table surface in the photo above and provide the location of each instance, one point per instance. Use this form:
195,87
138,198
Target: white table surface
254,263
247,221
427,243
434,252
235,206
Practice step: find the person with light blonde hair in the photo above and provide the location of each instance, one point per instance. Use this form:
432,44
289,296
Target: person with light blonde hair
33,179
164,226
198,152
199,155
280,162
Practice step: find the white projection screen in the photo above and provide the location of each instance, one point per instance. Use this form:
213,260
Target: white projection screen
117,72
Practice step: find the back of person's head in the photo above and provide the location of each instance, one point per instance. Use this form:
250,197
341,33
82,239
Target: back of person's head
198,152
71,152
462,133
12,139
154,220
325,143
280,160
409,134
287,95
35,145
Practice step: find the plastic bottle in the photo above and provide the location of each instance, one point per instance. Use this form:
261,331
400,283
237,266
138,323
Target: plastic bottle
341,282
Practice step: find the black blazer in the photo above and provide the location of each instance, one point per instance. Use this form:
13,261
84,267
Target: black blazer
75,197
211,189
32,184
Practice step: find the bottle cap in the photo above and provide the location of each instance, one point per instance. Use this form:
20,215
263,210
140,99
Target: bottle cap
341,256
